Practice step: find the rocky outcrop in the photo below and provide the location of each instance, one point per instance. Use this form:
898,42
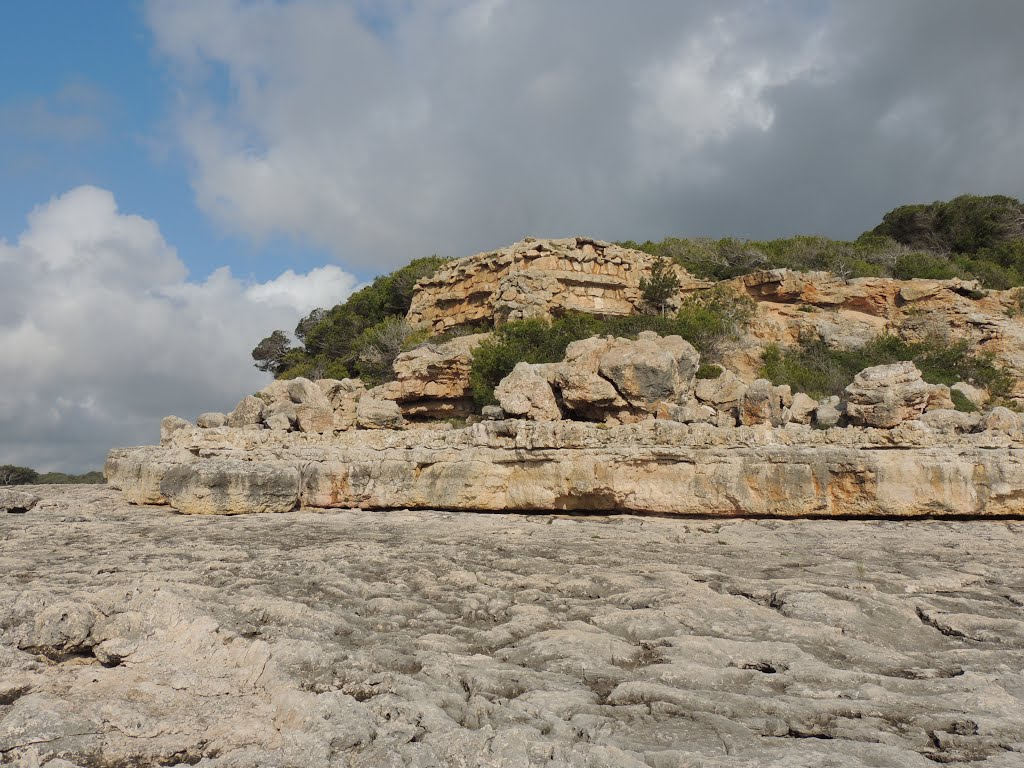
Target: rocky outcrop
657,466
887,395
432,380
526,394
535,278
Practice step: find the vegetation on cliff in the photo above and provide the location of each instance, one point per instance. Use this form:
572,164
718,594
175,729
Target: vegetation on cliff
820,371
14,475
970,237
354,338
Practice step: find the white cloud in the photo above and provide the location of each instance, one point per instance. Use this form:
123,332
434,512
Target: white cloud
102,333
391,130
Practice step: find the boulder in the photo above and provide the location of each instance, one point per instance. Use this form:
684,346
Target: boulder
231,487
16,501
526,394
492,413
375,413
802,408
762,404
313,410
280,415
437,371
343,395
1001,419
651,369
211,420
171,424
885,396
826,416
248,412
939,399
723,393
690,412
948,421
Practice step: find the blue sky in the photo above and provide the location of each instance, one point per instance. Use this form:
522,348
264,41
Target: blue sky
85,99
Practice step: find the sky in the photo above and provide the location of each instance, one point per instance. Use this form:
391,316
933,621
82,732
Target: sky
181,178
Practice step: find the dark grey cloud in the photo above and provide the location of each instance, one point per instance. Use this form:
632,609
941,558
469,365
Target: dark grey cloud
455,126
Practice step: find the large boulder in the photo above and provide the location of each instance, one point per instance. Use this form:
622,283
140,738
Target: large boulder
377,413
248,412
171,424
313,411
651,369
802,408
16,501
437,371
344,395
723,393
526,394
1001,419
948,421
885,396
762,404
211,420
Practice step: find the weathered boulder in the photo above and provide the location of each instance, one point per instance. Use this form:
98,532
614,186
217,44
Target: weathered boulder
16,501
948,421
280,415
137,472
939,399
437,371
651,369
762,404
885,396
248,412
376,413
492,413
343,395
171,424
690,412
827,415
231,487
723,393
802,408
62,630
1001,419
313,410
526,394
211,420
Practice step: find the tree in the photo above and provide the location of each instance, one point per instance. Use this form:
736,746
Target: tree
270,353
663,284
12,475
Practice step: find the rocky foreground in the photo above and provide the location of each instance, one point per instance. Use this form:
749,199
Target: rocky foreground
136,636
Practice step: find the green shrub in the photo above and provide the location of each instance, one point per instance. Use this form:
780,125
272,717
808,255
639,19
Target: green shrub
961,402
709,371
820,371
921,264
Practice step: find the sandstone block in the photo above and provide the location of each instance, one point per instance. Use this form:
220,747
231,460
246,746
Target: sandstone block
948,421
723,393
802,408
526,394
373,413
1001,419
762,404
651,369
169,425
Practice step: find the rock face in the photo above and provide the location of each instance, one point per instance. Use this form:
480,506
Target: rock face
651,369
657,466
432,380
887,395
433,639
531,279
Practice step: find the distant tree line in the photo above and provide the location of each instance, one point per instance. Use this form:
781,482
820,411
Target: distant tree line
14,475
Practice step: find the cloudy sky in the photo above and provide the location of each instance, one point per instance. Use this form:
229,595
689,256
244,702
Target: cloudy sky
180,178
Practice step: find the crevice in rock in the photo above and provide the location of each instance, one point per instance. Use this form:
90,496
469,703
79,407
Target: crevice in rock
934,623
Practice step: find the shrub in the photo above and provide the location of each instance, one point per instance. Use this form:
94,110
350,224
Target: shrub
961,402
709,371
921,264
13,475
819,370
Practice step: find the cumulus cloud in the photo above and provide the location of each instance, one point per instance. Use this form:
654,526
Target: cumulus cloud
103,333
392,130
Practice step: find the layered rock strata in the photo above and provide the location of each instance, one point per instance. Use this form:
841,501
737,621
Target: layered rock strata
653,467
536,278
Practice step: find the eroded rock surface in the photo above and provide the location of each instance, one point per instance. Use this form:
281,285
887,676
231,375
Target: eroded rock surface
133,636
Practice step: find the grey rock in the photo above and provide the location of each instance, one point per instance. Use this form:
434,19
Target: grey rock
211,420
762,404
372,413
826,416
16,501
492,413
651,369
248,412
433,639
802,408
280,415
1001,419
950,421
526,394
231,487
885,396
724,392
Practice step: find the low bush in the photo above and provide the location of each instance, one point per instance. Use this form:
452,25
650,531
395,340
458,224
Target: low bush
961,402
820,371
